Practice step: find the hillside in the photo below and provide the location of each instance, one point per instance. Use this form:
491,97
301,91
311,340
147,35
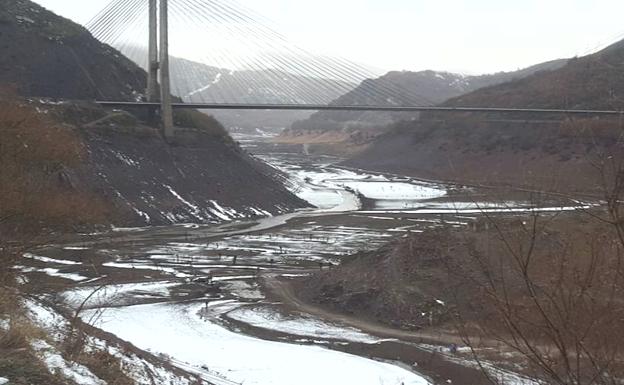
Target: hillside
257,87
552,152
46,55
487,285
42,198
356,129
204,177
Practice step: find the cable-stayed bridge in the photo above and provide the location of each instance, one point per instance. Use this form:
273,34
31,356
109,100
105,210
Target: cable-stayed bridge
217,54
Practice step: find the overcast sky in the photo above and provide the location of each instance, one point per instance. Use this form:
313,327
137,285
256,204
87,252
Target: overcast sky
470,36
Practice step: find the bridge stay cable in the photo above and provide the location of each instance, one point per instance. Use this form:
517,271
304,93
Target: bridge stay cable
284,66
355,72
247,75
334,70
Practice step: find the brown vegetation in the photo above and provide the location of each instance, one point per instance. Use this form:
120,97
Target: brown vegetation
37,157
541,154
553,293
543,295
542,151
37,200
18,361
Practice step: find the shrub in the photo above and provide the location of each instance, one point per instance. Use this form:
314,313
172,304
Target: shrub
198,120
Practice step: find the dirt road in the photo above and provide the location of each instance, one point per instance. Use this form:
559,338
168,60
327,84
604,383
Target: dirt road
281,290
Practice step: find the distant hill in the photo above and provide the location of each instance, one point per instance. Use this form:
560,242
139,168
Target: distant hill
203,177
257,87
409,88
198,82
547,151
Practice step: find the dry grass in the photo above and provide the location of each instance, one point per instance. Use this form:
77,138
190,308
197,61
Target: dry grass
38,157
105,367
549,288
18,361
38,199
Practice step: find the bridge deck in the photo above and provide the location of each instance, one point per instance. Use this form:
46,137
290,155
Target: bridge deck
321,107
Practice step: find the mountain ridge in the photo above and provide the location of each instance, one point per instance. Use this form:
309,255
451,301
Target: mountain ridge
550,152
352,131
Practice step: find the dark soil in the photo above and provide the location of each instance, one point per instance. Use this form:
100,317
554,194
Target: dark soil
201,168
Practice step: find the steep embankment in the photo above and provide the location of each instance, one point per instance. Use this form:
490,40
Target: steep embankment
344,131
203,177
542,151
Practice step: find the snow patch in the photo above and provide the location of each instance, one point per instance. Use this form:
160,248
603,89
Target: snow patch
77,373
115,294
307,326
51,260
194,209
52,272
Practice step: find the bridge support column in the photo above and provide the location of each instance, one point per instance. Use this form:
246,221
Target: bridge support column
152,92
166,111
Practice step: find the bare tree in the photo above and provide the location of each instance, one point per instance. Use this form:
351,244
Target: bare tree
549,288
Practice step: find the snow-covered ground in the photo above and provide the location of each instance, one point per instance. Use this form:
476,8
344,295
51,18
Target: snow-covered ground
70,370
52,272
138,369
305,326
306,244
104,296
178,331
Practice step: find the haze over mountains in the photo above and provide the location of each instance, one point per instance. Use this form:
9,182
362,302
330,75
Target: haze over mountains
201,83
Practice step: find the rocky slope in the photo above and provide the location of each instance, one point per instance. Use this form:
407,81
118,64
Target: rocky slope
542,151
203,177
355,130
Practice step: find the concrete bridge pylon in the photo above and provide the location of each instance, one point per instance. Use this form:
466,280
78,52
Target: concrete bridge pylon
158,77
